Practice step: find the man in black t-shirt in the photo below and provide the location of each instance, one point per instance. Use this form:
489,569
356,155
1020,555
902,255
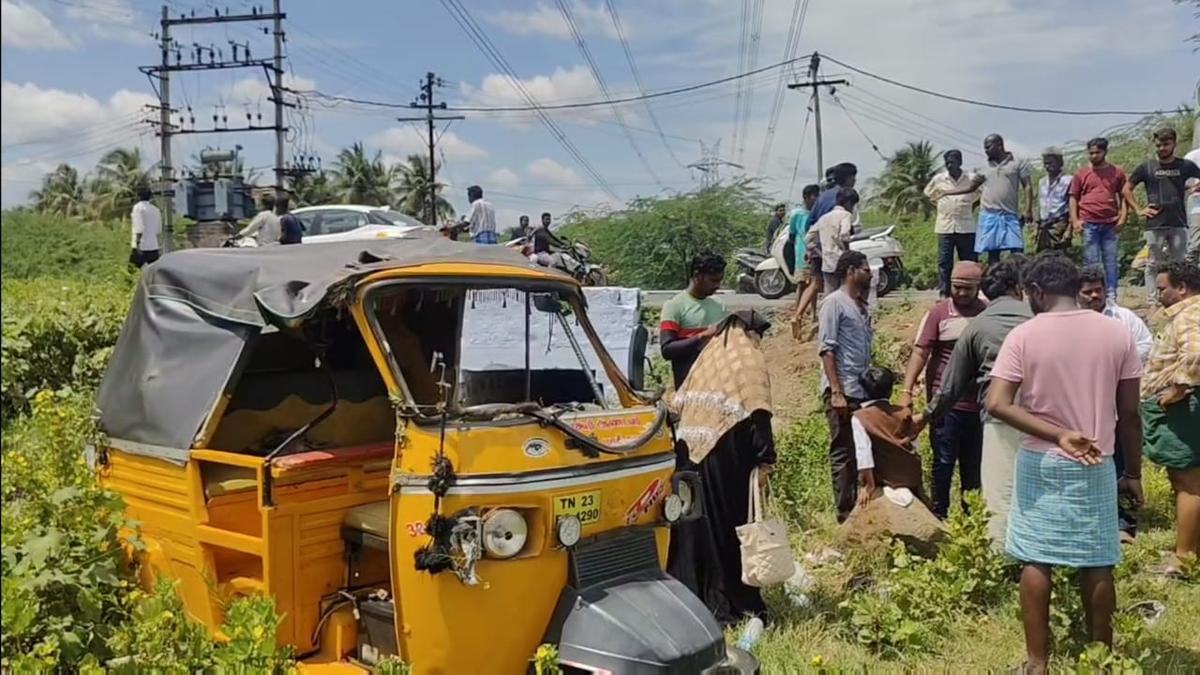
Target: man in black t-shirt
544,243
1164,178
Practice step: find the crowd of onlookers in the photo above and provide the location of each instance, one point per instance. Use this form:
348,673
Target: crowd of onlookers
1040,389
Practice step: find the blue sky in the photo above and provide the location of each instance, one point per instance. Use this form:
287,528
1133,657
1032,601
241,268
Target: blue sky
71,88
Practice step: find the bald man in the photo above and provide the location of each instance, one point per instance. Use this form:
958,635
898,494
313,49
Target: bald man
957,437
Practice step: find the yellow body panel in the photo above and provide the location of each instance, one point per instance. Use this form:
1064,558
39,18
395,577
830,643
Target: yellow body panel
218,539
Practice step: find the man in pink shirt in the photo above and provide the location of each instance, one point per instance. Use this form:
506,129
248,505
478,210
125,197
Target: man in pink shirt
1098,211
1076,396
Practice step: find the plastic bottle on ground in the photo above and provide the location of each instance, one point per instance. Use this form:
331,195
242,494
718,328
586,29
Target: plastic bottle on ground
750,634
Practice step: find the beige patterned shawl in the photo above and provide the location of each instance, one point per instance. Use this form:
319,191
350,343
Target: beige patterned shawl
728,382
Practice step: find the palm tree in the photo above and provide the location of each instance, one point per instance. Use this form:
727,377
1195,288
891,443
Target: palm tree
119,175
412,188
314,189
360,179
901,186
61,193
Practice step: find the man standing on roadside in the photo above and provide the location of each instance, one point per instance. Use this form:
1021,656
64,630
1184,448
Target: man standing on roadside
777,217
957,436
955,222
1092,295
690,318
1098,211
1165,180
1054,226
146,228
970,368
1171,402
830,236
480,219
1004,181
291,231
844,343
1074,394
807,279
264,227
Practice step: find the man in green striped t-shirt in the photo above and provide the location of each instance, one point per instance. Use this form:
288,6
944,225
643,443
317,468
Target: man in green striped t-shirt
691,317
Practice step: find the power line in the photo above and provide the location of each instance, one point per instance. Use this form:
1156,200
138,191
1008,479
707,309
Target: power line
799,13
756,17
569,18
799,151
952,129
853,121
923,128
907,126
476,34
988,104
637,77
576,105
743,42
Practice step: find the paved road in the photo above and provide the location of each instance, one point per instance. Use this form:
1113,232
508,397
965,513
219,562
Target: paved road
738,301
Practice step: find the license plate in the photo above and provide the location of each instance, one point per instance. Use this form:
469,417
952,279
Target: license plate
583,505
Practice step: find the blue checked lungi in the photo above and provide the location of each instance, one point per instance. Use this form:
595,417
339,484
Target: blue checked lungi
487,237
1063,513
999,231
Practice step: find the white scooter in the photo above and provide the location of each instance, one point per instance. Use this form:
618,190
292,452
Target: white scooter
883,251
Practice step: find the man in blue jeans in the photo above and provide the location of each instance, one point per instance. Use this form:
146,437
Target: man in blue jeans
1098,211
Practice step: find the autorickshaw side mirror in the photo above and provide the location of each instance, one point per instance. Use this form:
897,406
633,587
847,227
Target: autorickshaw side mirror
549,303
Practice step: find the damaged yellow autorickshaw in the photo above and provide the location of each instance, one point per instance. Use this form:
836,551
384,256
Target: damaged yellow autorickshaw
344,428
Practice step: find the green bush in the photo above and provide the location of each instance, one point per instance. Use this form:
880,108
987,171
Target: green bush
653,240
914,607
64,574
56,334
800,484
44,245
161,638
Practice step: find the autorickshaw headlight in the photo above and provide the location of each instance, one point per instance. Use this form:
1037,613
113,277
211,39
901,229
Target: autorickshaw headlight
673,508
569,529
504,533
684,490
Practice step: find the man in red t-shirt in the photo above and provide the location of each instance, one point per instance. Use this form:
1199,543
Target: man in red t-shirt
1098,211
957,437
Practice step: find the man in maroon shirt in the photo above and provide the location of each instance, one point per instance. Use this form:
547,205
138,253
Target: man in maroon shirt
956,437
1098,211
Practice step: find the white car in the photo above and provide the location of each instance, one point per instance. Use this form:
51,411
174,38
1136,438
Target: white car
349,222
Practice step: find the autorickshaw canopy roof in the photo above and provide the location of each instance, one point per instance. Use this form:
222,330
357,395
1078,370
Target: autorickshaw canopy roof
195,312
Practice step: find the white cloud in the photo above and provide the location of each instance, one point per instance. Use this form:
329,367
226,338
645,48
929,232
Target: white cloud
547,170
24,26
403,141
257,90
548,21
562,86
31,114
502,179
112,20
42,127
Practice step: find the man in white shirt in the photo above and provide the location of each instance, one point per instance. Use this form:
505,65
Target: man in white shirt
264,227
1093,296
832,235
955,223
480,218
146,230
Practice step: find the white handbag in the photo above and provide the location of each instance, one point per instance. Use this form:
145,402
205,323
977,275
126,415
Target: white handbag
766,554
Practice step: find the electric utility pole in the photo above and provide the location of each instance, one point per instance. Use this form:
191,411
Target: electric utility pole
204,58
425,102
813,83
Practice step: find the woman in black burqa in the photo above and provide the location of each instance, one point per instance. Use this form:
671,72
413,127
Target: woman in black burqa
723,432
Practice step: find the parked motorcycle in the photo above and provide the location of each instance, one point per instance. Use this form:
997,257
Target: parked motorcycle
575,260
770,278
